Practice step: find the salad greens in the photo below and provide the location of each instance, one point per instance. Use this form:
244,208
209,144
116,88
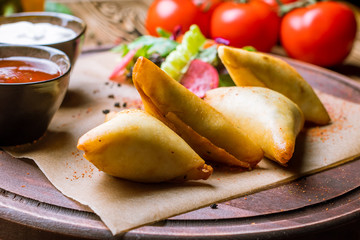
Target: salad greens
177,60
147,46
174,57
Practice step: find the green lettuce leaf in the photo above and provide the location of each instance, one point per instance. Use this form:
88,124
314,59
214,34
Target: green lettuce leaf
209,55
147,46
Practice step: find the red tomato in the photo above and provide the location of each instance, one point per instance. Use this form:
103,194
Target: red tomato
322,33
246,24
168,14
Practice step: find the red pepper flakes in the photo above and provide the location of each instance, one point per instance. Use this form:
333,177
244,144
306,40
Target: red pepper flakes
339,123
23,186
87,171
61,126
132,103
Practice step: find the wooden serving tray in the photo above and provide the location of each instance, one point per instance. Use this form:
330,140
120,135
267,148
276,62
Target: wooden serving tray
323,204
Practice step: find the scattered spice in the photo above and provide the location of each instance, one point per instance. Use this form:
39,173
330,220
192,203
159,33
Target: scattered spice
124,104
214,206
117,104
79,167
105,111
111,96
338,124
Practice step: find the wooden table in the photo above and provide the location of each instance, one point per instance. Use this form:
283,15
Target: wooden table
323,205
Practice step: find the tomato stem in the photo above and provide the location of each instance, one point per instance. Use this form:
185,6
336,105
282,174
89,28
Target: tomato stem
242,1
285,8
279,2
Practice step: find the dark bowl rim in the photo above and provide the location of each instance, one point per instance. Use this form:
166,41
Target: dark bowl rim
48,14
47,49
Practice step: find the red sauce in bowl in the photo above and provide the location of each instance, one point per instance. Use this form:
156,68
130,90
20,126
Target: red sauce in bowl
27,69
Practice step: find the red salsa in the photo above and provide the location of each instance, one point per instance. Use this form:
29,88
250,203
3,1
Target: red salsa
27,69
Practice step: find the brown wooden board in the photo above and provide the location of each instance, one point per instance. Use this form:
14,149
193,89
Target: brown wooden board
326,203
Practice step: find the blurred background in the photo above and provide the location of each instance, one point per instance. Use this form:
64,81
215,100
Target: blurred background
111,22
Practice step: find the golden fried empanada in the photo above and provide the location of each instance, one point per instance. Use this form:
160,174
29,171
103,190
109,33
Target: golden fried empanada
258,69
136,146
268,117
206,130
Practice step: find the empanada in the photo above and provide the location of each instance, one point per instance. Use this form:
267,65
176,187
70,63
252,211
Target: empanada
258,69
268,117
205,129
136,146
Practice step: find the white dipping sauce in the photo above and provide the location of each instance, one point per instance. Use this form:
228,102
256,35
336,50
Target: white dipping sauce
27,33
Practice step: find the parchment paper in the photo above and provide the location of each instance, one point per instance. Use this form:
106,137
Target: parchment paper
124,205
